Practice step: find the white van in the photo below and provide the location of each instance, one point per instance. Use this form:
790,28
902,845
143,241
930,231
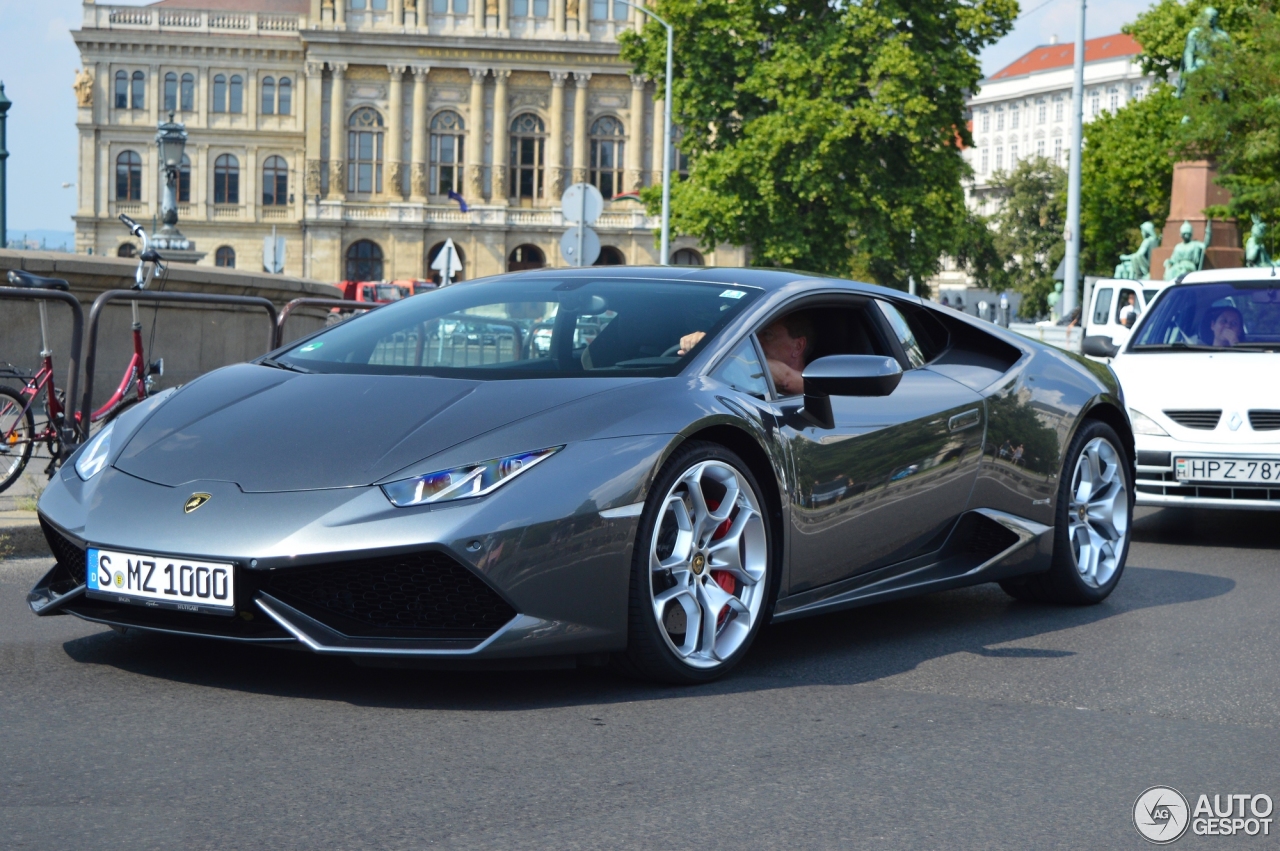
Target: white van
1105,330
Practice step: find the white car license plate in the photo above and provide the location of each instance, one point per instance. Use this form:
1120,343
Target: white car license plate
162,582
1237,471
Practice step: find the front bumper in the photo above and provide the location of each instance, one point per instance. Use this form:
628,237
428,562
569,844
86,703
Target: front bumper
1156,484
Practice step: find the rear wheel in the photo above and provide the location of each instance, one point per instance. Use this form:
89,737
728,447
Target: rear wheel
703,574
1091,533
17,430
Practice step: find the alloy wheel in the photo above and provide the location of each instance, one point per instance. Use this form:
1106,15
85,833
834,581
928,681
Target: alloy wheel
708,560
1098,513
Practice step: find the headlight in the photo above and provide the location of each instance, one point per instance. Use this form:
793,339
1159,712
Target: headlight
1143,424
463,482
94,455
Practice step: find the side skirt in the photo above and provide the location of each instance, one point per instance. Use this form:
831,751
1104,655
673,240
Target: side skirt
985,545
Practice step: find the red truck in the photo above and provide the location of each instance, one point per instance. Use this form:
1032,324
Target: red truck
379,292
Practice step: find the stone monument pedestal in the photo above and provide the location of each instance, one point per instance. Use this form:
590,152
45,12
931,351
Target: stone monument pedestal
1193,190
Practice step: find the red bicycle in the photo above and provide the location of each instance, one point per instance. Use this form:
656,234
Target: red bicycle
18,432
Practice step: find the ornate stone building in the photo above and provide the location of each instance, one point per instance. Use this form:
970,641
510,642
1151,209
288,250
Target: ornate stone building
351,128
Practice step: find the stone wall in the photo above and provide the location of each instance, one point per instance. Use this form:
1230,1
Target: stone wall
192,340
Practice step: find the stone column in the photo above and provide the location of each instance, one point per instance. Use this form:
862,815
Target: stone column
634,161
397,14
394,147
656,175
504,17
418,174
582,7
338,131
500,134
202,97
475,136
340,14
555,144
251,99
311,121
581,78
558,6
155,93
479,11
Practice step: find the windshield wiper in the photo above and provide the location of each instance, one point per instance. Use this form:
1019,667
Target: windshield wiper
1184,347
282,365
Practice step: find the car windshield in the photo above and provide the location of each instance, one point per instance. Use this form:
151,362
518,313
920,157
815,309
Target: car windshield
528,328
1229,316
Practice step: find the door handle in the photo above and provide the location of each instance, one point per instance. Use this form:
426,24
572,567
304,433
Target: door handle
968,419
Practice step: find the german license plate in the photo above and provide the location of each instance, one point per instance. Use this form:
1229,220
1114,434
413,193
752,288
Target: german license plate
1241,471
161,582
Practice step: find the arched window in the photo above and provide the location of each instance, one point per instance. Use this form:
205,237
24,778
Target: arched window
610,256
687,257
275,182
606,155
138,97
226,180
122,90
1113,98
188,98
528,140
127,249
128,176
171,92
235,95
364,152
435,252
286,97
526,257
364,261
184,180
446,153
219,93
268,95
225,257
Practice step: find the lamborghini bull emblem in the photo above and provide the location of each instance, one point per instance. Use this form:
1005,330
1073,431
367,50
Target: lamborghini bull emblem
195,501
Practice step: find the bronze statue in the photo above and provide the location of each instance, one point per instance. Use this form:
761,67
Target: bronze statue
1200,42
1255,251
1137,266
1188,255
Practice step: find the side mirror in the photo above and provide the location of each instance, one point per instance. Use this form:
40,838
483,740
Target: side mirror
846,375
1099,347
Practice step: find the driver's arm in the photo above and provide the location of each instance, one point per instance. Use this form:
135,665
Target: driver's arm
688,341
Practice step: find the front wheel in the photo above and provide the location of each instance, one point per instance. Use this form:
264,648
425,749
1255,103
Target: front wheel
703,573
1093,518
17,435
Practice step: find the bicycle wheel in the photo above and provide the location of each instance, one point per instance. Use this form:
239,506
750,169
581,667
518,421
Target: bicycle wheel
17,428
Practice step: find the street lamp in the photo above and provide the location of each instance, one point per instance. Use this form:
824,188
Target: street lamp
171,139
5,103
666,137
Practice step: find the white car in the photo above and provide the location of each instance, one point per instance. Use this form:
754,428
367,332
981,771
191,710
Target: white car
1106,327
1201,379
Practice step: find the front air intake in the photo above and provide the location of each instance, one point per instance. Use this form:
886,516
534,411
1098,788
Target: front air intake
1205,420
65,551
1264,420
415,595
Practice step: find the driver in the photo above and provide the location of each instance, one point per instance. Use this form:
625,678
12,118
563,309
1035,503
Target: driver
1227,328
787,343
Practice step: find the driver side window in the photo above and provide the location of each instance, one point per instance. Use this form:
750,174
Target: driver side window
743,371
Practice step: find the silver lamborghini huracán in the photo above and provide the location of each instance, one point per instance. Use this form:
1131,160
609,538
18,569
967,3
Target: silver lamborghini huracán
636,465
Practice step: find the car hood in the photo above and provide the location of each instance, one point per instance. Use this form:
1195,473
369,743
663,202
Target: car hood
269,430
1235,382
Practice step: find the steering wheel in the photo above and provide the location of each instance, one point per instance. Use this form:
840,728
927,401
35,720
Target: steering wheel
671,352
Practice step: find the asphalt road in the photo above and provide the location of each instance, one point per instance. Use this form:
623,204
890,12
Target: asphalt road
958,720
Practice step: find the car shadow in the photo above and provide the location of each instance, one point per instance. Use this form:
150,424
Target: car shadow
1207,527
857,646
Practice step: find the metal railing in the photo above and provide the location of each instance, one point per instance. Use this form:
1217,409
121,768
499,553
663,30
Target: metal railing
289,308
95,314
69,428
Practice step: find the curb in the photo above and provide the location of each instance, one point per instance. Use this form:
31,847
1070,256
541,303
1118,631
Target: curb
22,538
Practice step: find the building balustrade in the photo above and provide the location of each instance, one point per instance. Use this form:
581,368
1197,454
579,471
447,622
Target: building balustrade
192,20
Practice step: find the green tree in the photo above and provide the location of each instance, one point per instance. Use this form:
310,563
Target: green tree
824,133
1126,176
1028,227
1233,109
1162,29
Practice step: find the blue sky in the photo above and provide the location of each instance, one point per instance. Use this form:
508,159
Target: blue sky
39,62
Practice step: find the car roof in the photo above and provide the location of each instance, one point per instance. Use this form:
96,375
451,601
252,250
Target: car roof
766,279
1262,274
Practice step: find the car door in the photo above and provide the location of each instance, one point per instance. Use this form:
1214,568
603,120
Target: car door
890,478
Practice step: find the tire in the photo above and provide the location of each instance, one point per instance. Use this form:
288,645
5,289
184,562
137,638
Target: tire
676,581
15,447
1089,547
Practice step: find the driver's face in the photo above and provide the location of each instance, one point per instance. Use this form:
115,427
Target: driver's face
1227,328
779,345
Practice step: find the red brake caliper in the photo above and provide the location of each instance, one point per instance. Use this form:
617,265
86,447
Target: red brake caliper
723,578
